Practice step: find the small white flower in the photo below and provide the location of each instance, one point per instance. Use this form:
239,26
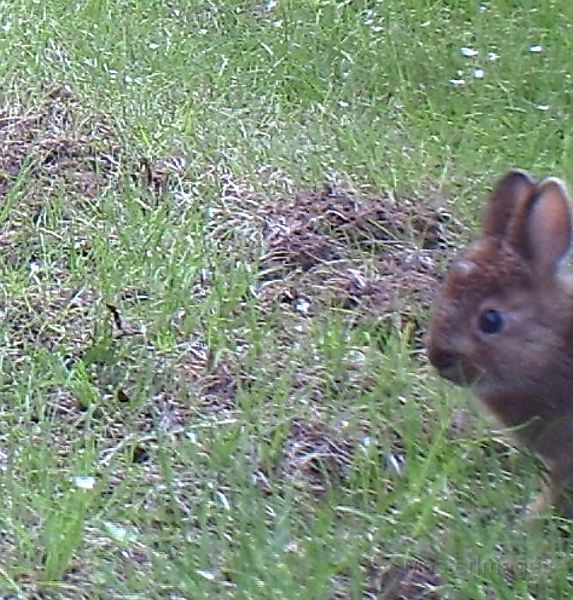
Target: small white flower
491,56
543,107
535,49
469,52
84,482
457,82
479,73
343,104
301,305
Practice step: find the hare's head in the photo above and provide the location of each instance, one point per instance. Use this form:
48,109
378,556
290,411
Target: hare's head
504,314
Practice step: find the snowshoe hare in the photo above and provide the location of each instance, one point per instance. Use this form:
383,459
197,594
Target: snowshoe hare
503,323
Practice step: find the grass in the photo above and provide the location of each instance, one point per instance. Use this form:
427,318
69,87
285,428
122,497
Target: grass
173,423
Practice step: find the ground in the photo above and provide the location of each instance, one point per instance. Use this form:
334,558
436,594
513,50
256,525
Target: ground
309,246
221,230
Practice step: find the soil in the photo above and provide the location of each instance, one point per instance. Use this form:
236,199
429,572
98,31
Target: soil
315,248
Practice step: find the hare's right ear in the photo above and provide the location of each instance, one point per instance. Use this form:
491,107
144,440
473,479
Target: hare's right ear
548,227
510,192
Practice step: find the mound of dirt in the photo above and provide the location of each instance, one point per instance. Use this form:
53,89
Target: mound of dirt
412,580
58,140
375,256
345,218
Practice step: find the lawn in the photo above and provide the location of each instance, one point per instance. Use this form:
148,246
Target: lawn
221,227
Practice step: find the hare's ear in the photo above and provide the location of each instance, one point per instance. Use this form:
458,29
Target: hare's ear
509,193
548,225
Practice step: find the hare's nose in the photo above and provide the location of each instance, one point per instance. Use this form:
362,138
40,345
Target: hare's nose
440,357
443,361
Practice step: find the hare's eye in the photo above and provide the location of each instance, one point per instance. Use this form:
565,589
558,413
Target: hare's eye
491,321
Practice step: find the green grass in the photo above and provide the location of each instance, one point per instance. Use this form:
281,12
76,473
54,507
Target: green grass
184,415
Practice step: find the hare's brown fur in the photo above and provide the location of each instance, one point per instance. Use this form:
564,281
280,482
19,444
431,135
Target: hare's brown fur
511,278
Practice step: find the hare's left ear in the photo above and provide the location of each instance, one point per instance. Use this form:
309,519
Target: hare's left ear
510,194
544,234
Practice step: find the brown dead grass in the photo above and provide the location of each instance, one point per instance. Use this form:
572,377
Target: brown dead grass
315,457
410,581
315,247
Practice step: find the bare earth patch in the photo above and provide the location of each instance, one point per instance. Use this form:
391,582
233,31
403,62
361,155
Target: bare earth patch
411,581
315,248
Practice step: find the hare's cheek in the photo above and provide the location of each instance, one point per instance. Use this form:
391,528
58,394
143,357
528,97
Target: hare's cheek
473,359
471,372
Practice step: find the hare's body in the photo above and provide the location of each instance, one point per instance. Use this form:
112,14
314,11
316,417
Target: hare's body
503,322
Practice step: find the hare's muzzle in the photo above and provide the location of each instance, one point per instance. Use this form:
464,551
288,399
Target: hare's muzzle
446,362
442,360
